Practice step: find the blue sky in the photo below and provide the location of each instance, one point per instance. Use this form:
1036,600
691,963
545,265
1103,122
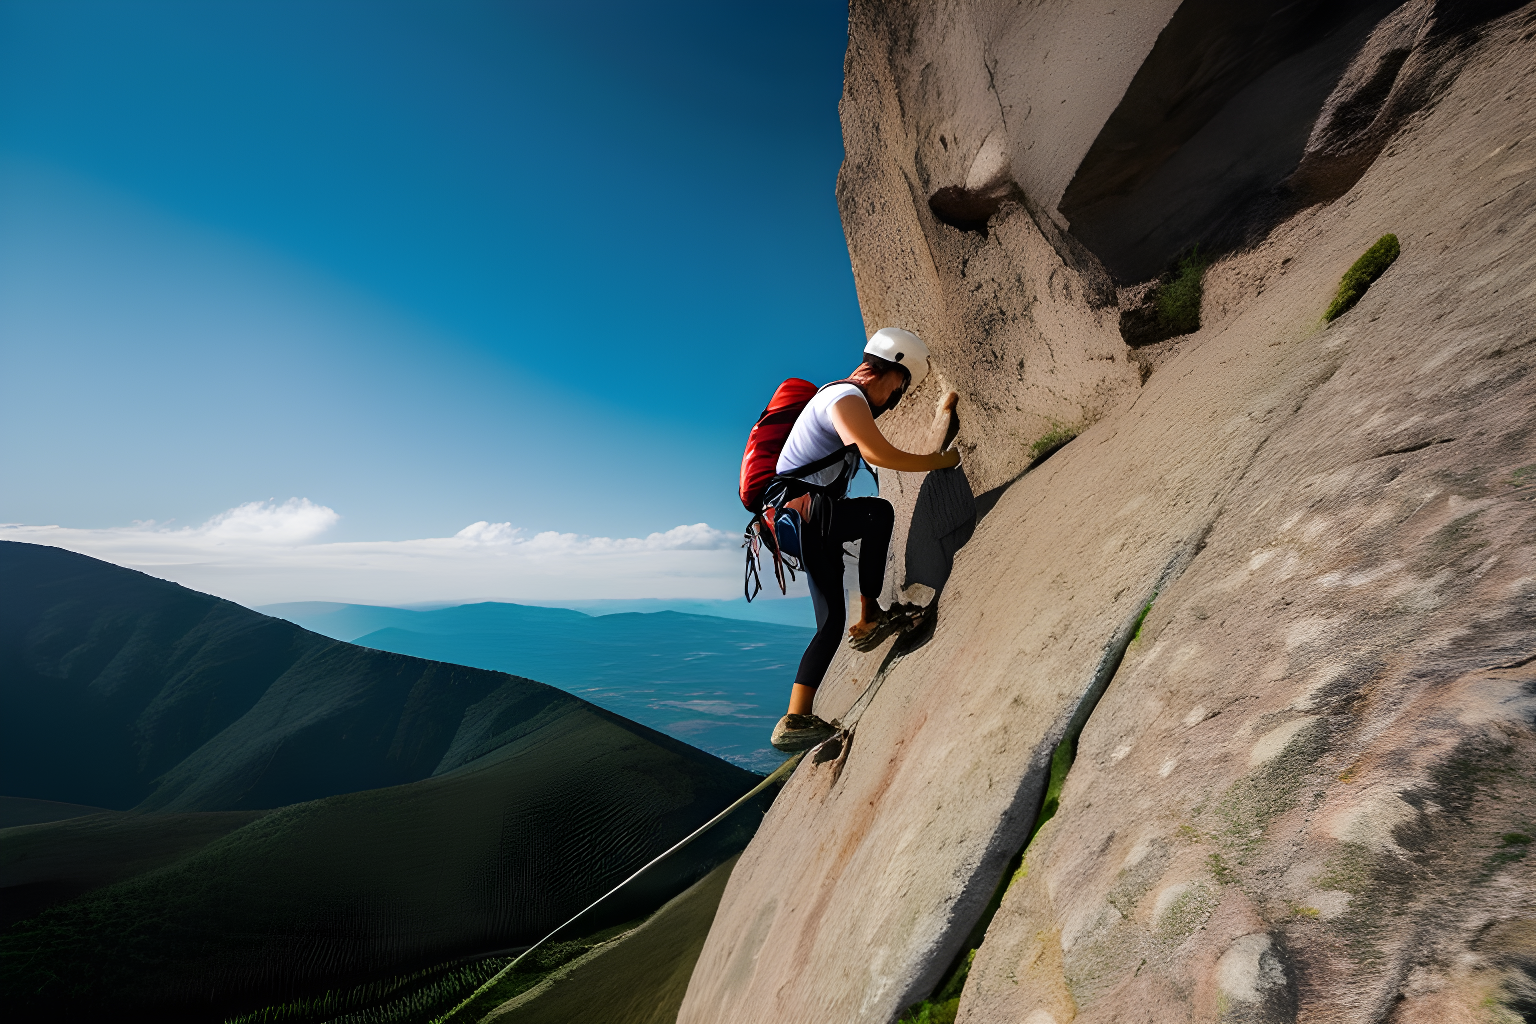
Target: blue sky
424,264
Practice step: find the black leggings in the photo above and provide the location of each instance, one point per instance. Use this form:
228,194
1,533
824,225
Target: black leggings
866,519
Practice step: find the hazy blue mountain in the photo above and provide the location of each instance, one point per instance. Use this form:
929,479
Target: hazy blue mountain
351,621
717,683
785,611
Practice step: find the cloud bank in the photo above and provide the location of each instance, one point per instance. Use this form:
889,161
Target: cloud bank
268,552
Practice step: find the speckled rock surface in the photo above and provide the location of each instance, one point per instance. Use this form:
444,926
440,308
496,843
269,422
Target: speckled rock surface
1305,793
1308,793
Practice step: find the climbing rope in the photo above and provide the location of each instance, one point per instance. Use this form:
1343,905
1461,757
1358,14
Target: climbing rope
779,774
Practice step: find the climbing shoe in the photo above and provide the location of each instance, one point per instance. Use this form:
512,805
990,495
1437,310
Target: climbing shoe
800,732
900,618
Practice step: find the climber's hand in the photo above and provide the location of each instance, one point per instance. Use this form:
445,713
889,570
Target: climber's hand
856,425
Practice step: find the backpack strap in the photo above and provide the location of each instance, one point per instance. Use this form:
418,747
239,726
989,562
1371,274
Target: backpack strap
832,458
848,380
812,468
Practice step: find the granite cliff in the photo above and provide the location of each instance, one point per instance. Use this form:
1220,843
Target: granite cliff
1227,709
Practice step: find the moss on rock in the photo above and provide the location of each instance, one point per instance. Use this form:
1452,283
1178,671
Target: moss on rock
1362,274
1053,440
945,1004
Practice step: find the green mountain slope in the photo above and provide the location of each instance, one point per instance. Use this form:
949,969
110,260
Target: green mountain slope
19,810
638,978
428,813
336,891
45,864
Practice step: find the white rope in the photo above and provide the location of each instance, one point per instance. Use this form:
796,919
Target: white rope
780,773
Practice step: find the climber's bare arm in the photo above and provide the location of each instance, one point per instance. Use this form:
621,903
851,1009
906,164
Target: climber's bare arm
856,425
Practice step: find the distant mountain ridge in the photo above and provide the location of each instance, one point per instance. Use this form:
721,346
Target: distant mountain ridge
782,611
122,690
351,621
716,683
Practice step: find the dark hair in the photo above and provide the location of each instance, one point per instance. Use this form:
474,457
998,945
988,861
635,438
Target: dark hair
884,366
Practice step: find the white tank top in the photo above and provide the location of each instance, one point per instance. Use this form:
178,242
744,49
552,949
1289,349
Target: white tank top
814,437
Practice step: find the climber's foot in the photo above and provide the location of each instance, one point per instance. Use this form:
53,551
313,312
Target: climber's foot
800,732
900,618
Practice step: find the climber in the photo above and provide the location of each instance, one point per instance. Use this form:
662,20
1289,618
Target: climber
841,418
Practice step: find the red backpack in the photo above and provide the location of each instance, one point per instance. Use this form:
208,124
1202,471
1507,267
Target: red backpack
760,462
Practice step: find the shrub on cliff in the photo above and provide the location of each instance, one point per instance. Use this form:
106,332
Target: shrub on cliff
1178,301
1167,307
1362,274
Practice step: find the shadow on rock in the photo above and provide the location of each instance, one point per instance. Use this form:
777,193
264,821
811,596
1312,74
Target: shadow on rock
943,519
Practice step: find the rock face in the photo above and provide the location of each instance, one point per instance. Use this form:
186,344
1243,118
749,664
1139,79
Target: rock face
1302,785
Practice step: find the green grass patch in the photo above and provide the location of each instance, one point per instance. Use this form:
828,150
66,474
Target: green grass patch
534,968
945,1004
425,995
1061,763
1142,618
1362,274
403,999
1178,301
1055,438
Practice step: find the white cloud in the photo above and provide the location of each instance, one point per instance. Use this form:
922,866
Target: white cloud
698,537
293,522
266,552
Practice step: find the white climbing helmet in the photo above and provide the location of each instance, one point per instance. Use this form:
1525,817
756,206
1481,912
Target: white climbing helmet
902,347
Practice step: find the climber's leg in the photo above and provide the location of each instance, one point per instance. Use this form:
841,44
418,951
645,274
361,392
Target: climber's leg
823,560
871,521
800,729
866,519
